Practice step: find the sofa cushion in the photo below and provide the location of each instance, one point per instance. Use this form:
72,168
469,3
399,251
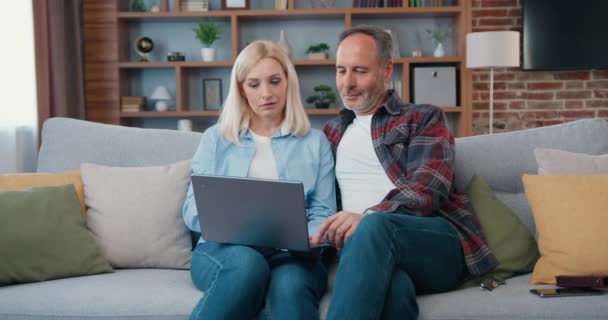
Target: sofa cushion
23,181
511,301
570,215
554,161
508,238
43,236
135,214
155,294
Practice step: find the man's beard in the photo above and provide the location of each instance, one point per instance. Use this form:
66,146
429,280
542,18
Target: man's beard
370,100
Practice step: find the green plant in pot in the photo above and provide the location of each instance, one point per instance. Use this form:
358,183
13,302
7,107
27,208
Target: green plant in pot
318,51
323,98
439,36
207,33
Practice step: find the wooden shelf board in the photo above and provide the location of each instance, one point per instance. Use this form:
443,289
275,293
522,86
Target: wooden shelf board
173,64
321,112
428,60
206,113
215,113
170,114
451,109
308,13
310,62
301,62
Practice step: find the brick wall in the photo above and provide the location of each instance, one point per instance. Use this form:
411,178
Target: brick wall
527,99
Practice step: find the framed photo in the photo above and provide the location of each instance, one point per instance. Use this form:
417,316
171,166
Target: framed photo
212,94
235,4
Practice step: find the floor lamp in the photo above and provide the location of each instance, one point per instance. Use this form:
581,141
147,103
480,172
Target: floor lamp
492,49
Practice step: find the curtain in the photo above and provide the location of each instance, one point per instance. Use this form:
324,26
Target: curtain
58,33
18,145
18,118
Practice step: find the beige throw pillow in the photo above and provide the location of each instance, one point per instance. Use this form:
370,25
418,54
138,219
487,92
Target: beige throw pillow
552,161
134,214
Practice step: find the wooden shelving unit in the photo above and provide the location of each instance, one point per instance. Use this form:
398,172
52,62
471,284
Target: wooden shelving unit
108,64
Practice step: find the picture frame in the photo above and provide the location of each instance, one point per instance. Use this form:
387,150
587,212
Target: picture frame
235,4
212,94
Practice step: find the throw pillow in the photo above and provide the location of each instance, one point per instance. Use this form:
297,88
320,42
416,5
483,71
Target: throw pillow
552,161
570,216
135,214
24,181
508,238
43,236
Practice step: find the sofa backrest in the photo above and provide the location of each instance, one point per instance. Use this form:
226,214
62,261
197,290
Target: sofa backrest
66,143
501,159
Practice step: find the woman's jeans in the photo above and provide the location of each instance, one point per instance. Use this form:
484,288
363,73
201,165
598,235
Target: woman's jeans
238,281
390,258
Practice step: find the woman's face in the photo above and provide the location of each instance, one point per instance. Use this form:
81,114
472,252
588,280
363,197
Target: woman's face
265,88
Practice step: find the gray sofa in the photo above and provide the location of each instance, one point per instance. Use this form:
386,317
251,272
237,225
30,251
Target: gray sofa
500,159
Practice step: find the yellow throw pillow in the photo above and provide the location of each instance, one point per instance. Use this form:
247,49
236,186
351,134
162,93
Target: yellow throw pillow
571,214
22,181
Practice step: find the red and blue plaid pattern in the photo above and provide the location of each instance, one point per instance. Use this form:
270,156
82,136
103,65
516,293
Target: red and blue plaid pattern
416,149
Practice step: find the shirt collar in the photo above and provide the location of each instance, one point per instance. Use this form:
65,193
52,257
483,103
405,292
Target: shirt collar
280,132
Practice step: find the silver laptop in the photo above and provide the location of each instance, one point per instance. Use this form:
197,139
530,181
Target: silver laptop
255,212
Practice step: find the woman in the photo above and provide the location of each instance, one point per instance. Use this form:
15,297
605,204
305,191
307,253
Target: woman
263,132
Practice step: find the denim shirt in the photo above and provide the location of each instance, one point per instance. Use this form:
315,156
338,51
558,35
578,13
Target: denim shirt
307,159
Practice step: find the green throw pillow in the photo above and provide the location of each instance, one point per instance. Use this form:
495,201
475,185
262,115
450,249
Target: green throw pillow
508,238
43,236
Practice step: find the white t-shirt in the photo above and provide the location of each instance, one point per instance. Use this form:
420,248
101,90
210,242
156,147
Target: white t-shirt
263,165
362,179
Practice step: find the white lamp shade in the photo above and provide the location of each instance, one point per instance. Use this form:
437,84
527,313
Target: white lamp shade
161,93
493,49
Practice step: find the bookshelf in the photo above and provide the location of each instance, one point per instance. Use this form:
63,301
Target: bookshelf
112,69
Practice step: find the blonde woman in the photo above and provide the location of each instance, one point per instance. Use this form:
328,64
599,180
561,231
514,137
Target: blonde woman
263,132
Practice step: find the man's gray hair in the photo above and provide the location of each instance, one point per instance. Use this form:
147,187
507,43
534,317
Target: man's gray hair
384,42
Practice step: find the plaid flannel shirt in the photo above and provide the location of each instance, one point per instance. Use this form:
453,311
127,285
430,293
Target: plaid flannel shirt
416,149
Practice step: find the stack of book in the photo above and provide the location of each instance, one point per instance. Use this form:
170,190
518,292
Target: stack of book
430,3
377,3
195,5
132,103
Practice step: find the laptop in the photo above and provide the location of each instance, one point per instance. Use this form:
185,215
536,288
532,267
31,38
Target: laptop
254,212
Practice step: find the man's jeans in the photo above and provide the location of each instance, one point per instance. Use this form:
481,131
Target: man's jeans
390,258
237,279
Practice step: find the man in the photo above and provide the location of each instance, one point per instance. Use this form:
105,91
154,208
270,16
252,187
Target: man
404,228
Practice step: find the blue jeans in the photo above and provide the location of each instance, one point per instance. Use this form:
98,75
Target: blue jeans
388,260
238,281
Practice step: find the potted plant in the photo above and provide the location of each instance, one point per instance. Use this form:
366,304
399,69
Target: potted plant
439,36
207,32
318,51
138,6
324,98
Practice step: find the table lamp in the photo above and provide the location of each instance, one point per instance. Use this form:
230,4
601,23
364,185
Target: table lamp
162,96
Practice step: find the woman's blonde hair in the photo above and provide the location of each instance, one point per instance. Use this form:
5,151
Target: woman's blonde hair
236,114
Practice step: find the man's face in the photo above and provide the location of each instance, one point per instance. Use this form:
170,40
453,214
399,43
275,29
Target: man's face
360,77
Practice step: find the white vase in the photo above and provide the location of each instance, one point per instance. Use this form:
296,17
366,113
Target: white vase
283,44
208,54
439,51
184,125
